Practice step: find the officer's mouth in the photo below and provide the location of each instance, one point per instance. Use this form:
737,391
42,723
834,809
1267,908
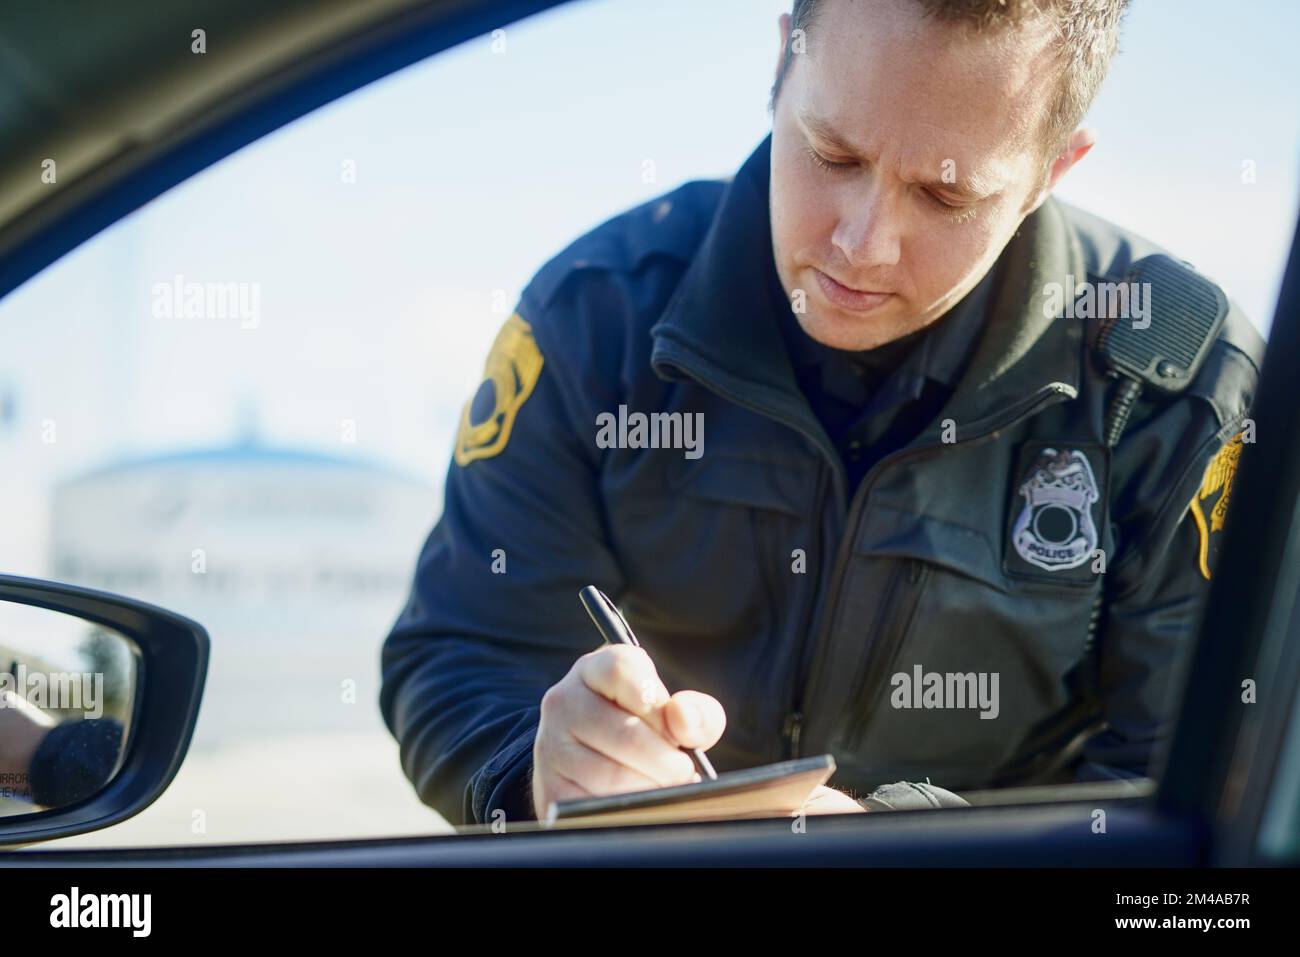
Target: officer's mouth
848,298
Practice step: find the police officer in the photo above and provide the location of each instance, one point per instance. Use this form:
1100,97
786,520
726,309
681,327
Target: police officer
836,436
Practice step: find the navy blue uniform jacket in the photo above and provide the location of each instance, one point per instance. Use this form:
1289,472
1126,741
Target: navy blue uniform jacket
756,573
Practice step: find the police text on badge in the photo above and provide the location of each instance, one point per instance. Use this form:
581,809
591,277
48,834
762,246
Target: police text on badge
658,430
1055,530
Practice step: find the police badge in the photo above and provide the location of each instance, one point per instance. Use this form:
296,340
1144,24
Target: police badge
1056,530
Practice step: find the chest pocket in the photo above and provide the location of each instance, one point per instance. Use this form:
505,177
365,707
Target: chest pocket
755,533
735,481
697,539
758,545
926,596
888,531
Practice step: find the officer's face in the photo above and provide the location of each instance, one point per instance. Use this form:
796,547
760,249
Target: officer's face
905,153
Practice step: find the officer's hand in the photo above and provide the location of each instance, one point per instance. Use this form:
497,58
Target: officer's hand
609,726
826,800
23,727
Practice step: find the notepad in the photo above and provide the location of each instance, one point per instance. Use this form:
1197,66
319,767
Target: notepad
773,790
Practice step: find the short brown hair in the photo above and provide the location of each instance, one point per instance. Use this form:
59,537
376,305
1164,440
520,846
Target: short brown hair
1088,32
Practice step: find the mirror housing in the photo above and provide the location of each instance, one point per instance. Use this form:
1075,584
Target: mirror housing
173,654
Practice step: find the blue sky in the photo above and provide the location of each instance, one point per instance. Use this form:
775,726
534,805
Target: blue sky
380,297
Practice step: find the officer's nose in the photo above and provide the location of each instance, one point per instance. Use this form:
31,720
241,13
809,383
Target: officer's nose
868,233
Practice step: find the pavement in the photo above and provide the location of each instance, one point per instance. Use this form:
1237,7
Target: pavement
300,787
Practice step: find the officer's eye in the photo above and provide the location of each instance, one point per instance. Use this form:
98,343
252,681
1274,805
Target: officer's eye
959,213
941,201
826,164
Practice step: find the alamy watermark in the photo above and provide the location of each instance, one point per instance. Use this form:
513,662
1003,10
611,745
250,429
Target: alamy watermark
179,299
657,430
131,912
1090,300
947,690
55,690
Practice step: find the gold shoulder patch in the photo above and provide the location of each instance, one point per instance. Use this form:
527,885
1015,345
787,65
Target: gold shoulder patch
512,369
1217,481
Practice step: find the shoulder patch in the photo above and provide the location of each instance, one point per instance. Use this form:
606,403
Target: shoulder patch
509,377
1216,487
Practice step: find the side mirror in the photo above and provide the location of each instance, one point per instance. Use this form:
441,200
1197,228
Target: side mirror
99,695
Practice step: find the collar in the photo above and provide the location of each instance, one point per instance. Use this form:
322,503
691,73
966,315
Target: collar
937,353
722,325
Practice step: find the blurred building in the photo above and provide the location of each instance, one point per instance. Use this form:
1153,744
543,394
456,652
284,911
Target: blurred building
296,563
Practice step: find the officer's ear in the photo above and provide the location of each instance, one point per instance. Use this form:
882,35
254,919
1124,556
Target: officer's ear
783,24
1076,148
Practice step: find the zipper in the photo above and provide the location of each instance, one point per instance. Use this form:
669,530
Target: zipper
1050,394
716,384
884,652
791,731
794,718
752,702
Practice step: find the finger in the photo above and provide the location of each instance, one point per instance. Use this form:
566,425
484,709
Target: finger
555,788
694,719
827,800
597,772
564,788
628,740
625,675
